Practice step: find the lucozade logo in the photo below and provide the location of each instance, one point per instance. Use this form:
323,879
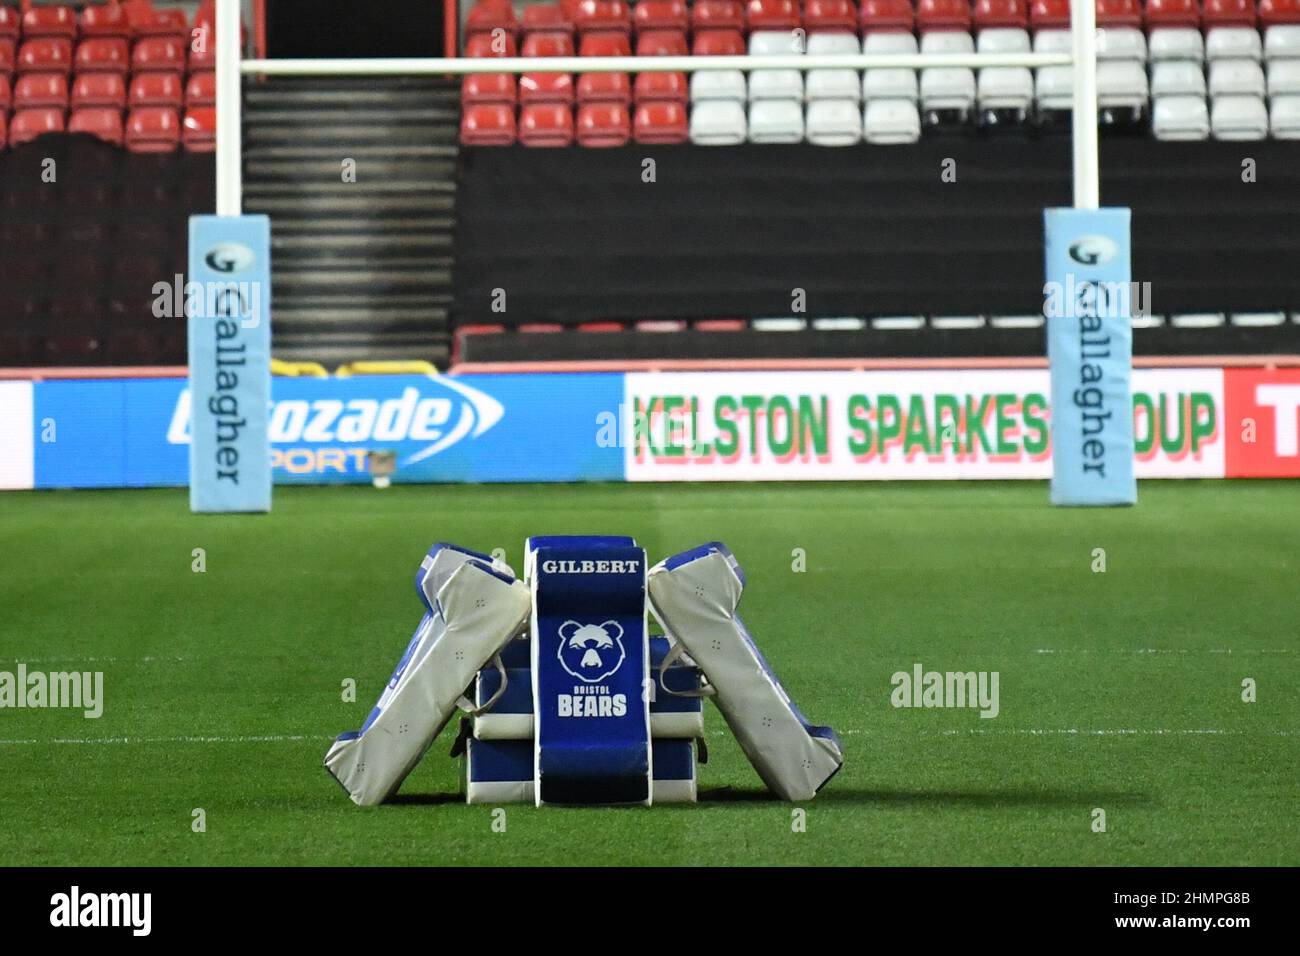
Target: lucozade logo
420,420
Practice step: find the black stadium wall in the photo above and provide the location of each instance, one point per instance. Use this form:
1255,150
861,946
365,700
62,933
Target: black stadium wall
87,231
579,234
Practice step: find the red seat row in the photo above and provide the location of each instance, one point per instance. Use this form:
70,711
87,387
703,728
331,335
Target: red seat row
604,27
128,19
554,124
559,88
148,129
55,55
45,90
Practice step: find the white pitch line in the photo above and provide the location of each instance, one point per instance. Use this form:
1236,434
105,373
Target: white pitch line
92,660
193,739
1163,650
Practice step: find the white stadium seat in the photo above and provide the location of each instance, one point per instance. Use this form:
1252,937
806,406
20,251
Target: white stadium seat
1238,118
718,123
1121,83
1284,78
1054,88
774,84
1053,41
718,85
1236,78
834,84
775,121
887,122
891,83
890,42
1175,43
947,41
947,88
1180,118
834,122
1232,43
1284,117
1121,43
1177,78
1005,88
1003,40
1282,41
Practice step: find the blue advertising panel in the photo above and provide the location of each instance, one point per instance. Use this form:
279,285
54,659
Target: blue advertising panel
229,320
477,428
1087,302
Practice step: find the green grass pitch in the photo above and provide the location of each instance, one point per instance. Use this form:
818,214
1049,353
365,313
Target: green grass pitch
1119,690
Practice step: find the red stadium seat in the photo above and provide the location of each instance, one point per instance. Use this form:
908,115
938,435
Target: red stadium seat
26,125
47,55
546,124
482,45
6,97
7,56
158,54
1225,13
98,121
1000,13
547,44
603,124
1273,12
147,22
102,55
720,43
9,23
1049,14
661,121
602,15
488,88
545,88
156,89
661,86
484,17
547,17
887,16
828,16
201,90
605,43
153,129
488,125
50,21
1173,13
717,15
661,15
604,88
662,43
942,15
1119,13
105,20
199,130
772,14
41,91
100,90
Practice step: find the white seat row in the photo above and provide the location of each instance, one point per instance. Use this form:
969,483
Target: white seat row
840,122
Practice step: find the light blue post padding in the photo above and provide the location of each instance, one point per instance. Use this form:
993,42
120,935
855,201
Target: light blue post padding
228,298
1087,302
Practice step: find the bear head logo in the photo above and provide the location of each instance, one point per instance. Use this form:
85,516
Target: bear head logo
591,652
